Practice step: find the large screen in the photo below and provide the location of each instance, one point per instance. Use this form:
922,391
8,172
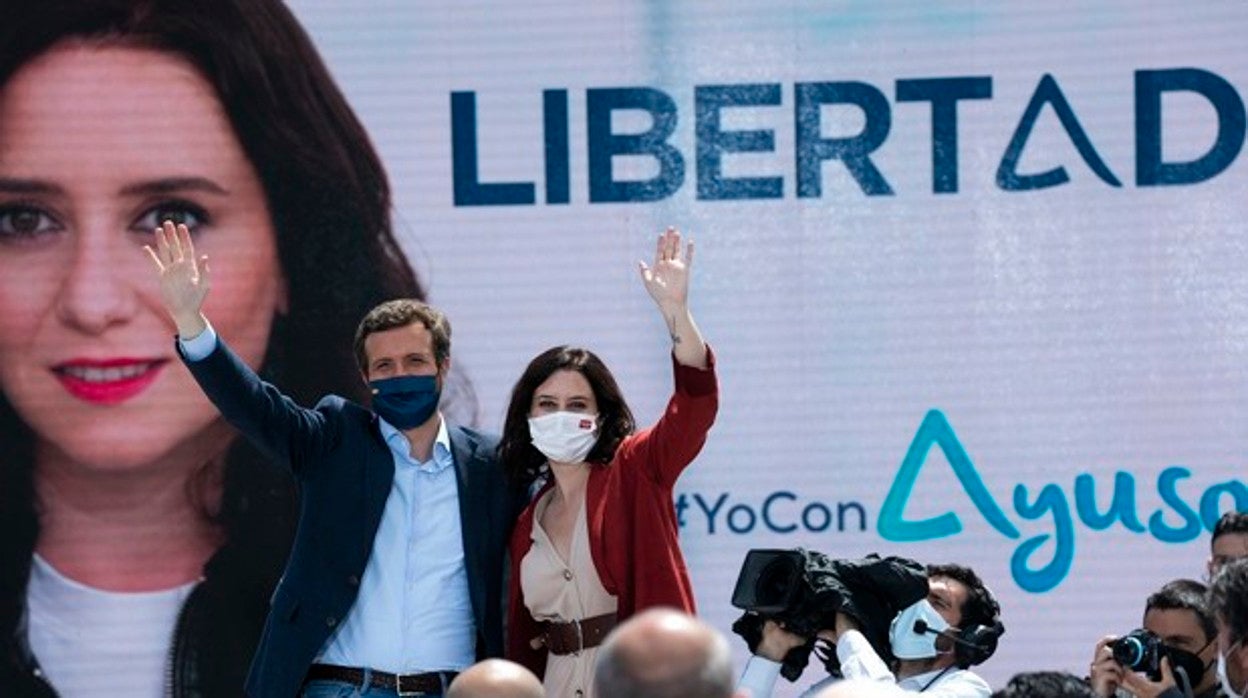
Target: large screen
974,273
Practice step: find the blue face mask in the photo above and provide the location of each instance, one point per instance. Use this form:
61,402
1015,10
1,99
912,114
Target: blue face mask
405,402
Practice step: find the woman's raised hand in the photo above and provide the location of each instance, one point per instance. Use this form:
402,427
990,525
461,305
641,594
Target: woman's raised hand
184,280
667,281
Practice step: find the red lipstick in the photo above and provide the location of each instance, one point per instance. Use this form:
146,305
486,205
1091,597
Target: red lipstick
107,381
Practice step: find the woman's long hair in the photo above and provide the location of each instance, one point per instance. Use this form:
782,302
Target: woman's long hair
330,205
520,459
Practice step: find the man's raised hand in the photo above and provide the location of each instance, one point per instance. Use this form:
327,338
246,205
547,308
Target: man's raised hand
184,278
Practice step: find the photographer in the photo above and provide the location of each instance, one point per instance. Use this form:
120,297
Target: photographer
1173,658
935,640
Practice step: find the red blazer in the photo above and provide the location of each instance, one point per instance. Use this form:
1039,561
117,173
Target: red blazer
631,520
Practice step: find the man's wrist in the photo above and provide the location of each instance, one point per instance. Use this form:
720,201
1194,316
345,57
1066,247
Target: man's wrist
190,326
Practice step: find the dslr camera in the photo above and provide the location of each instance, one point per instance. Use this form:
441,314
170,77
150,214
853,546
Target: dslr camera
1140,650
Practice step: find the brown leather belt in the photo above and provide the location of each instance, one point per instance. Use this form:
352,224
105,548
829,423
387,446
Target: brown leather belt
404,684
577,635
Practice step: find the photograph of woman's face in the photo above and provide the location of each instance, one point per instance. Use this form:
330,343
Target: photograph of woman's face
98,145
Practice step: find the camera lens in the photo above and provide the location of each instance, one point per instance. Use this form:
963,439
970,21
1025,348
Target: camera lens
1129,651
1139,650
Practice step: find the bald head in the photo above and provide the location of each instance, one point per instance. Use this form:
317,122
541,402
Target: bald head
663,653
496,678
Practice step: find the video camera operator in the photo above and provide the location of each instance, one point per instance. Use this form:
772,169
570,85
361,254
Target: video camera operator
929,643
1171,656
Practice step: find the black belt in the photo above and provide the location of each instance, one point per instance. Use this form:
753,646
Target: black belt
403,684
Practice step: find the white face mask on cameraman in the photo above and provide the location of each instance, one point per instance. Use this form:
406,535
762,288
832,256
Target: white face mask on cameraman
909,644
1226,680
564,437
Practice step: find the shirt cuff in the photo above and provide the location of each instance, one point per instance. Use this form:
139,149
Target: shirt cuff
200,346
760,676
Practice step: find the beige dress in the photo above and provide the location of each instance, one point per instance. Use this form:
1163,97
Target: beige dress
562,591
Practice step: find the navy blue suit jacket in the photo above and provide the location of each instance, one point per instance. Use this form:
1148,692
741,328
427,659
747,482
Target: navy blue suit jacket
345,471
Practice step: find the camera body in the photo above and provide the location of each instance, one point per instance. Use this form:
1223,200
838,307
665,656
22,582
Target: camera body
804,590
772,583
1140,650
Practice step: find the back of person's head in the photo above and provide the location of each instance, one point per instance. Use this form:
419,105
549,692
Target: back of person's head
664,653
1045,684
1184,595
495,678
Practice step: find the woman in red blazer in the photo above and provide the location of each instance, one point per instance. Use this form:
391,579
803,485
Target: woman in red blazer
599,541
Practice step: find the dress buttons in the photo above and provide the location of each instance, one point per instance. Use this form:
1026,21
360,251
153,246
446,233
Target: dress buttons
567,574
331,621
353,581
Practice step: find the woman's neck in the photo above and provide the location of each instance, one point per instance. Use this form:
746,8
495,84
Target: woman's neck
137,530
570,480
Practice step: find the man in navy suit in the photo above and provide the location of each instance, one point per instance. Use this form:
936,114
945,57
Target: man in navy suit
394,582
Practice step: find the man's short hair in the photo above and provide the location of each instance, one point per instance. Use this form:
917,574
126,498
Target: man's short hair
980,607
402,312
1228,598
1185,595
1230,522
1045,684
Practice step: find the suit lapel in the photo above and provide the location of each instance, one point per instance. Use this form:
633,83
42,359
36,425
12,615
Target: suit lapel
474,516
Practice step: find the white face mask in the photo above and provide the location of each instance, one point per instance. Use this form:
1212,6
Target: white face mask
564,437
1224,679
908,644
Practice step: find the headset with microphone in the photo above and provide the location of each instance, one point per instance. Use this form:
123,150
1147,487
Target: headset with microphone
972,645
